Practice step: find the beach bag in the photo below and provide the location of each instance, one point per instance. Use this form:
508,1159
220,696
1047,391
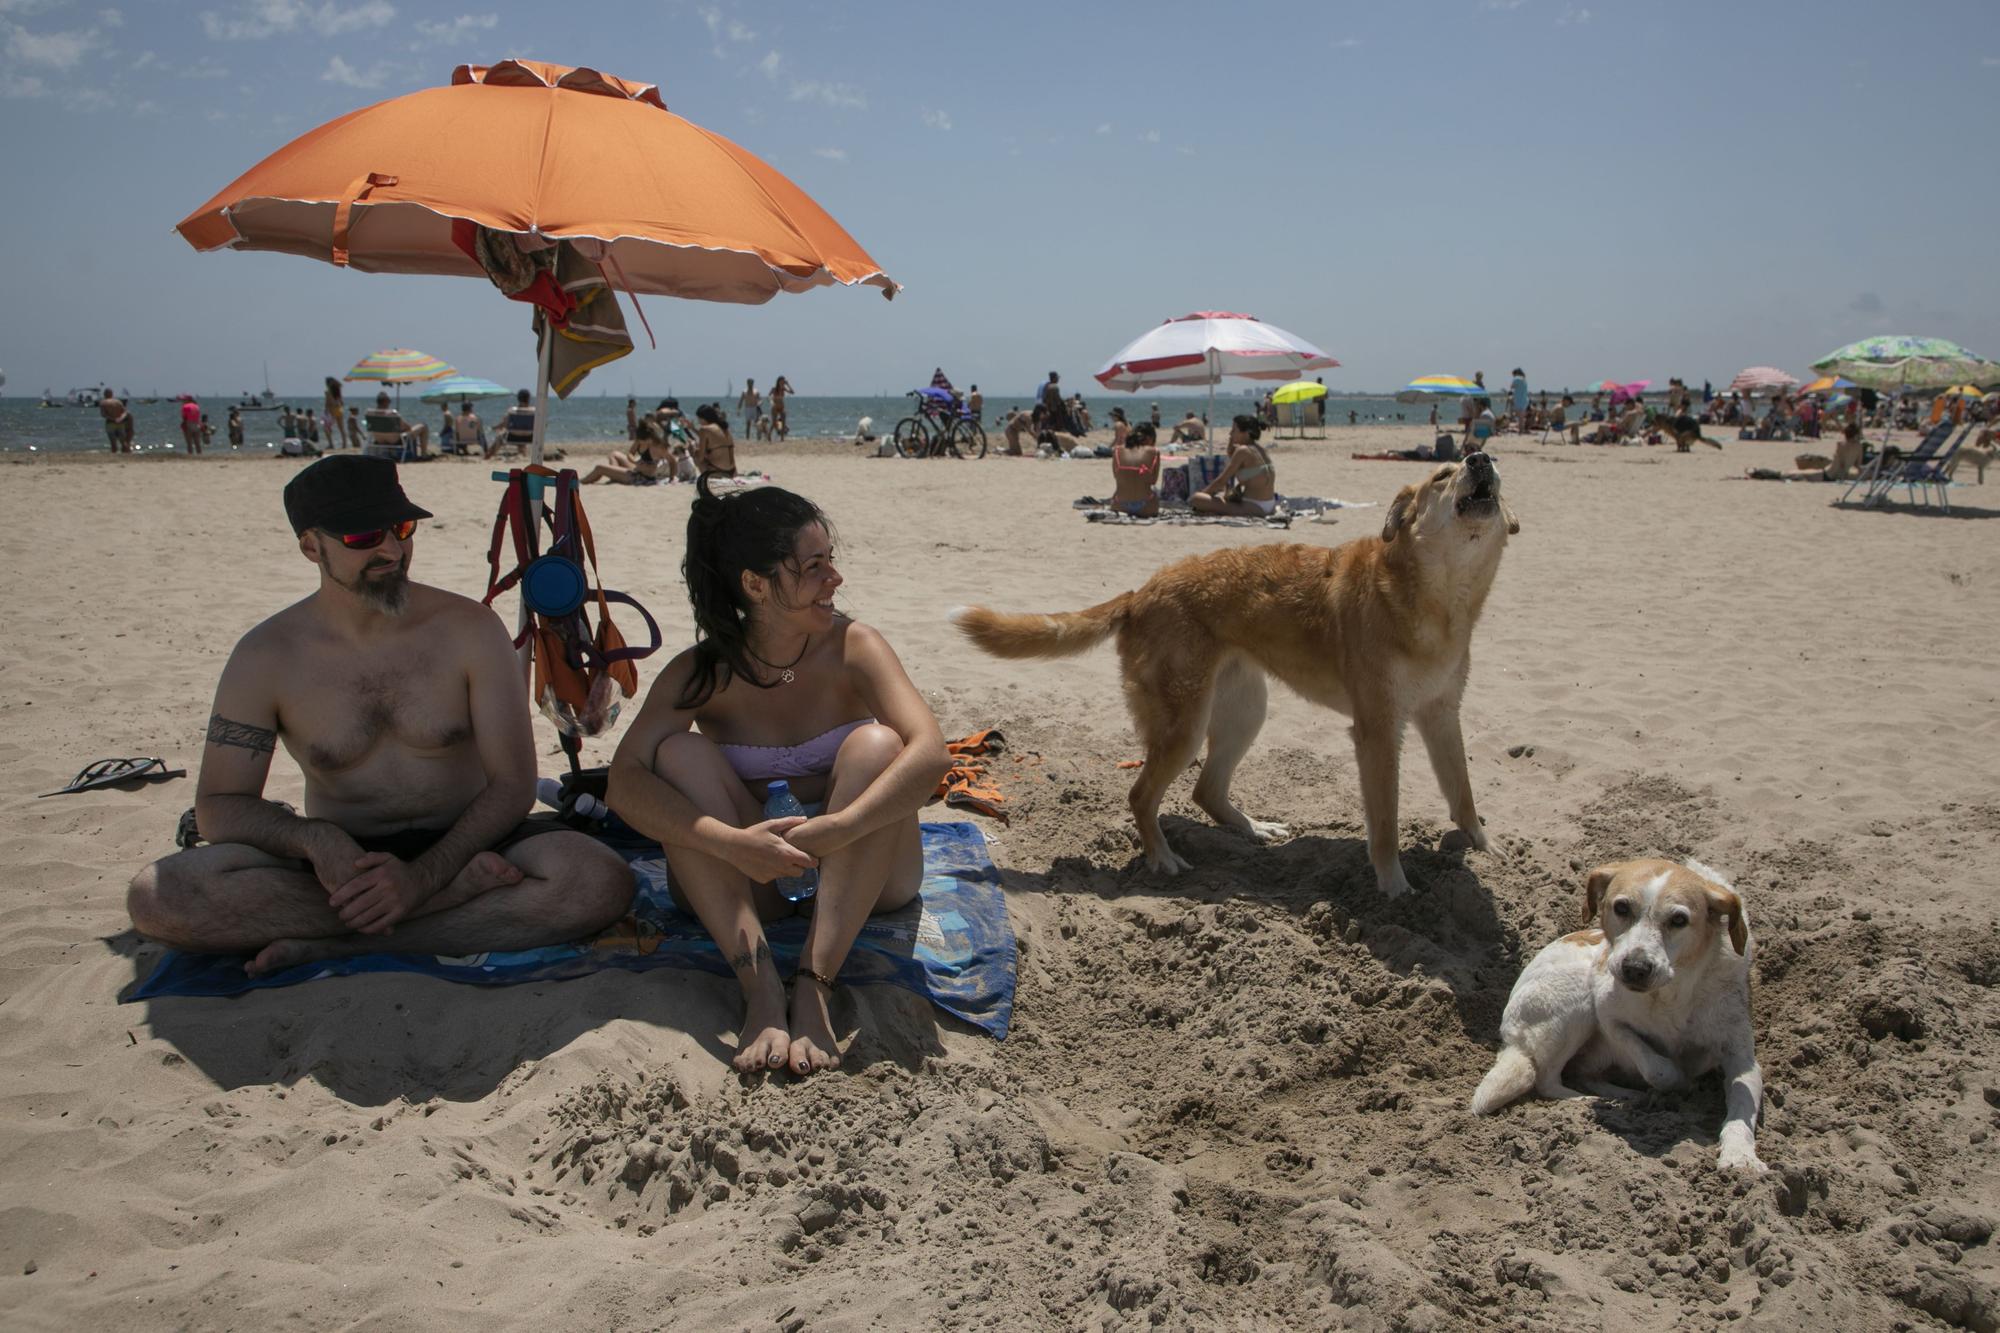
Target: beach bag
1174,484
581,668
1445,448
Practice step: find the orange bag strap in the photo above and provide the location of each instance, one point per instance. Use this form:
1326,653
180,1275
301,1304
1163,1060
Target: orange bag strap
344,213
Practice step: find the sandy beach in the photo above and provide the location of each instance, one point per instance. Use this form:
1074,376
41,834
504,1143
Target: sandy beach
1234,1099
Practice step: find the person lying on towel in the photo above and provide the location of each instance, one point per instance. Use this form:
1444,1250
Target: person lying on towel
779,685
403,705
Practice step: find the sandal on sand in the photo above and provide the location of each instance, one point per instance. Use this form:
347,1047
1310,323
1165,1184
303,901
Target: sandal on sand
109,772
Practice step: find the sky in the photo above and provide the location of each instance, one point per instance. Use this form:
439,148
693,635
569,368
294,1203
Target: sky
1624,190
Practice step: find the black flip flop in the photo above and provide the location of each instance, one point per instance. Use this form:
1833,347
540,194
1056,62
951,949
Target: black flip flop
110,772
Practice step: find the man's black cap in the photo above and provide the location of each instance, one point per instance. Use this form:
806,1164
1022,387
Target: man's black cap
348,493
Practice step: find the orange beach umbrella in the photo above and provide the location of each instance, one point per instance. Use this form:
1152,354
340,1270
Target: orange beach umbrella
538,149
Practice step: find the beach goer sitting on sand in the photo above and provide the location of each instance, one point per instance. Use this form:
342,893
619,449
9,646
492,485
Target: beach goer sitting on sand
715,447
1248,484
412,729
1135,472
1190,429
779,685
470,431
640,467
1019,426
1060,444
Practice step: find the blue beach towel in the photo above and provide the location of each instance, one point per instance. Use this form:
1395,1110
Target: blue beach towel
954,945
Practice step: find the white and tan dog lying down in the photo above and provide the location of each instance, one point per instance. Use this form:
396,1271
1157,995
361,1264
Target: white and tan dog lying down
1379,629
1655,994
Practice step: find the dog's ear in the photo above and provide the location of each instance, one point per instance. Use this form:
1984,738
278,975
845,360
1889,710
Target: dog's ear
1399,513
1724,902
1594,887
1507,512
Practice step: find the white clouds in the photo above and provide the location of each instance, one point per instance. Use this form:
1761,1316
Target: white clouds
832,94
339,71
461,29
270,18
21,86
1501,4
937,120
110,18
770,63
1105,128
1150,136
1573,15
1991,62
146,58
1345,43
51,50
831,154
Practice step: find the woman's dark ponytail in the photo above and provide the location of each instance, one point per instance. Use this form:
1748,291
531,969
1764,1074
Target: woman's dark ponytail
756,529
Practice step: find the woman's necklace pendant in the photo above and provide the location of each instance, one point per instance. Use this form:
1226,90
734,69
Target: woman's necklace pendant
786,677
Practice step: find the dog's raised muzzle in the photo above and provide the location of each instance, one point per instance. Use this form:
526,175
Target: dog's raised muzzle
1484,494
1636,973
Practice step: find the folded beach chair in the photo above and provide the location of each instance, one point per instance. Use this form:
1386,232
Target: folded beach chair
1881,476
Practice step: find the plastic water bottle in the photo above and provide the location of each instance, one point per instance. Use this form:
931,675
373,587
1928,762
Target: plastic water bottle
779,803
549,790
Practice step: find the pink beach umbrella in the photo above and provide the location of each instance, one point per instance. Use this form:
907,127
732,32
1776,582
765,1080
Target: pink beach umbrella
1620,392
1203,347
1762,379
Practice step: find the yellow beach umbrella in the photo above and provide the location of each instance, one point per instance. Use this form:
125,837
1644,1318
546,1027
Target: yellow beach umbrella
1963,391
1298,391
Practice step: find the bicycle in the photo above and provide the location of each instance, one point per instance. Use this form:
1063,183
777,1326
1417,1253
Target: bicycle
938,426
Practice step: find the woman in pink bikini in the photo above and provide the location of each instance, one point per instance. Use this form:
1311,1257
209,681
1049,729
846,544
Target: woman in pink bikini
779,685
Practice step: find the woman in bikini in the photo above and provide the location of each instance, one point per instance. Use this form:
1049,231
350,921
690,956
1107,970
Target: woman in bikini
715,447
779,685
1248,485
1135,469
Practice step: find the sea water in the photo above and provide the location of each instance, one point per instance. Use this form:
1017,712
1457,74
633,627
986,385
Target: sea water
25,424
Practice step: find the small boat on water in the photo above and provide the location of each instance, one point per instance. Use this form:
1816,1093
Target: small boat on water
257,402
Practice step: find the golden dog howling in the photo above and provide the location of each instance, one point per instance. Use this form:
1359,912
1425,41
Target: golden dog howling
1379,629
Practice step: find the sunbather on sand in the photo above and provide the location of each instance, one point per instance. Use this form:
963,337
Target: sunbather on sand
779,685
1135,472
1845,465
412,729
1248,484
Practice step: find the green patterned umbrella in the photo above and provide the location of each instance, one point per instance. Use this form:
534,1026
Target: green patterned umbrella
1898,361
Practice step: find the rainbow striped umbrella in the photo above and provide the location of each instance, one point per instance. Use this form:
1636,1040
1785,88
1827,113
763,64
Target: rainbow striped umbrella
1828,384
399,365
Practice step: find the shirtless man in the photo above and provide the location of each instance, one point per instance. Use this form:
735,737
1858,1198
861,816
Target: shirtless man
118,423
403,704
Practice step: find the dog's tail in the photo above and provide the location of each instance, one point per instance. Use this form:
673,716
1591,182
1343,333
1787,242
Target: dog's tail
1513,1074
1058,635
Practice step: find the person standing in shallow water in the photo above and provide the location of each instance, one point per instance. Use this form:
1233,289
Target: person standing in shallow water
779,685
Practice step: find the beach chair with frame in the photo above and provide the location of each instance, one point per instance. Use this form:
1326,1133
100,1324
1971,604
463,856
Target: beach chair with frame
1922,475
1885,473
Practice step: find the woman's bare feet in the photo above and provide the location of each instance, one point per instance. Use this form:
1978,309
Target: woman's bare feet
765,1043
814,1045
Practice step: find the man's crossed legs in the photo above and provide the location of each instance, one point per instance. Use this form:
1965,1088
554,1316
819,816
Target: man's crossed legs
230,898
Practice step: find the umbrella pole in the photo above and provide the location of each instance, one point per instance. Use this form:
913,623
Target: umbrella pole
547,351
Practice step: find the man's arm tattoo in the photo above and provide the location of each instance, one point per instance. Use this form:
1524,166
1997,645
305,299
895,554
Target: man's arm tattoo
222,731
742,962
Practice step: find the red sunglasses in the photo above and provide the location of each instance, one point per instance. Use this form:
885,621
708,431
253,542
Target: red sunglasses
368,541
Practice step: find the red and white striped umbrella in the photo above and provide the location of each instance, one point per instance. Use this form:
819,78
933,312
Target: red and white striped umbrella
1762,379
1203,347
